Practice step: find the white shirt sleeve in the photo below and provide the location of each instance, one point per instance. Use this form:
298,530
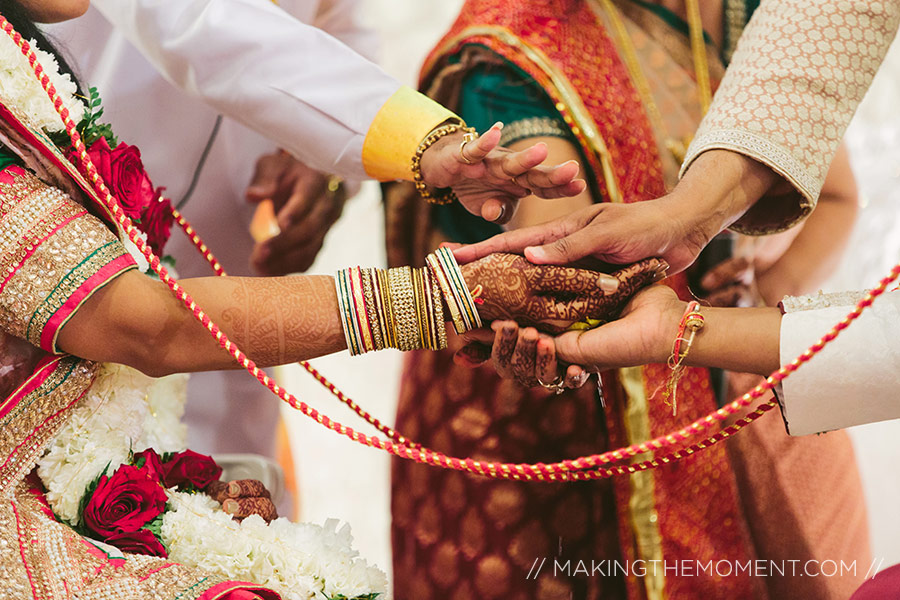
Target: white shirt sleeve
854,380
339,18
254,62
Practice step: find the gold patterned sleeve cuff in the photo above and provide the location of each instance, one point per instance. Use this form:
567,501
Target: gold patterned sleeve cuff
770,214
399,127
54,255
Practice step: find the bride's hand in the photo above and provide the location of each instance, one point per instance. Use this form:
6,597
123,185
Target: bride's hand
642,335
495,178
242,498
524,355
551,298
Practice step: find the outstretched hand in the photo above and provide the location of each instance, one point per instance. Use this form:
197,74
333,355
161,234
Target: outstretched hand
718,189
611,233
489,180
549,297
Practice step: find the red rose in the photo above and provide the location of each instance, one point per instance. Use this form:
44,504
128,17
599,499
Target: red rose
141,541
124,502
123,172
156,222
190,469
149,462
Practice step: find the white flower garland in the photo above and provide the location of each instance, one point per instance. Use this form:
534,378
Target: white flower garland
123,411
21,91
297,560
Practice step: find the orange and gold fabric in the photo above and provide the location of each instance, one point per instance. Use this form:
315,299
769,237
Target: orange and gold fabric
454,535
795,80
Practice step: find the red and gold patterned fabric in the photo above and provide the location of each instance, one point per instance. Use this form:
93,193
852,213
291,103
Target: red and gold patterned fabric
458,536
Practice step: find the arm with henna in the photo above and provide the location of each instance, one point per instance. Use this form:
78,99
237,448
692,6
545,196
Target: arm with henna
136,321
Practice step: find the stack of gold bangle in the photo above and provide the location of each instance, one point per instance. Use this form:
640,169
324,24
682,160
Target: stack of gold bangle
396,308
446,271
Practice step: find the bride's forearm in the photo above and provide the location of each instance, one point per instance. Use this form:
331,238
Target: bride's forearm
138,322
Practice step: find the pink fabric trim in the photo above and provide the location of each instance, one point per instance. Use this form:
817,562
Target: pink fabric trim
37,379
103,276
239,590
34,432
22,550
37,245
8,174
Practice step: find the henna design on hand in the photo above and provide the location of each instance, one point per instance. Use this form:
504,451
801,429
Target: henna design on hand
550,297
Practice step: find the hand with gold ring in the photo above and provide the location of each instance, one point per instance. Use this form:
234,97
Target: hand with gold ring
489,180
524,355
467,137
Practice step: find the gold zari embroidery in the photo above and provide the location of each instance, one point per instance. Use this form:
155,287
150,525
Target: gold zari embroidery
51,247
62,565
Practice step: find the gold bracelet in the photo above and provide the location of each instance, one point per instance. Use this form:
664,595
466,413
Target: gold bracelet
436,312
442,197
441,278
368,285
404,308
387,312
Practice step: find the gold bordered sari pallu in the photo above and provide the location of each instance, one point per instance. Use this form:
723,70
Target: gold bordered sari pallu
54,254
687,511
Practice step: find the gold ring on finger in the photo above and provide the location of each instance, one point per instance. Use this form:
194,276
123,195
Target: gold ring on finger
556,386
467,137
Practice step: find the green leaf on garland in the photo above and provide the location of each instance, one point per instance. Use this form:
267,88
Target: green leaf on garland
81,529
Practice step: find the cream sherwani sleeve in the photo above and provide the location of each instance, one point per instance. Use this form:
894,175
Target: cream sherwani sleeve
799,71
293,83
856,378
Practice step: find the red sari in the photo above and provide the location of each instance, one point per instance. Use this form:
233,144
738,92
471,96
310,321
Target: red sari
459,536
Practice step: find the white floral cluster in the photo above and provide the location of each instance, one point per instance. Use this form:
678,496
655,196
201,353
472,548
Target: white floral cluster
297,560
21,91
124,411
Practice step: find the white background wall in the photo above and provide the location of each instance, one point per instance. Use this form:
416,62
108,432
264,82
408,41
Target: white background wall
339,478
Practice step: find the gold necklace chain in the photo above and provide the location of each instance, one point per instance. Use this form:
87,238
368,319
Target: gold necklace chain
698,49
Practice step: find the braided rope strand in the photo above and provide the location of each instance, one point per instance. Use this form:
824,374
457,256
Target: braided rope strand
577,469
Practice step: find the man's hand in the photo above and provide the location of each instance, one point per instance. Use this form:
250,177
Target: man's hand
493,180
718,188
307,203
610,233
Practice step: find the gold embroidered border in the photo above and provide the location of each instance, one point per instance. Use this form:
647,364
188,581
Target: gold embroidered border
27,215
37,287
533,127
642,504
570,99
28,428
68,285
